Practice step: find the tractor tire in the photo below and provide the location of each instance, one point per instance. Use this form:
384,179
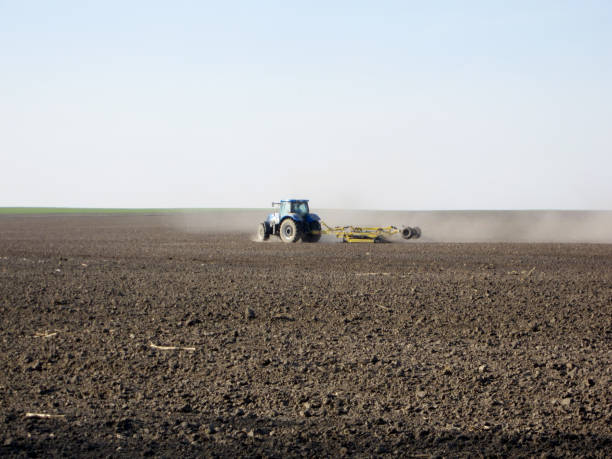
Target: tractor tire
289,231
262,232
313,237
417,232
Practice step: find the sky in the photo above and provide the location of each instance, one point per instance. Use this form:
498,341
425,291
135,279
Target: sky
406,105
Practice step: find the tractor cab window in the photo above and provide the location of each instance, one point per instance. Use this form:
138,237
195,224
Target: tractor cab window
284,208
300,208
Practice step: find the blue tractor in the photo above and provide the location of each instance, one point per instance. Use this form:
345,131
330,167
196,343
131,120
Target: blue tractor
291,221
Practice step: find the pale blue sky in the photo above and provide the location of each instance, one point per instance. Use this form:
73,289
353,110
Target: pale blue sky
390,105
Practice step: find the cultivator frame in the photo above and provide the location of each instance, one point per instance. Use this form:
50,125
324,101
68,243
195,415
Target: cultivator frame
372,234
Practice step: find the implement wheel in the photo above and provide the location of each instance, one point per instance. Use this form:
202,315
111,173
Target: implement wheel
407,232
289,231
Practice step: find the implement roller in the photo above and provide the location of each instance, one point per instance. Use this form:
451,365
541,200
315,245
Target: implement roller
292,221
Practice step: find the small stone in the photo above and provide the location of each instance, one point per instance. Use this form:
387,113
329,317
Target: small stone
8,441
251,433
249,314
482,368
421,393
566,402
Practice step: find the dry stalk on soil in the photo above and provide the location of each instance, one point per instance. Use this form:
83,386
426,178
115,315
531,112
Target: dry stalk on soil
171,348
45,416
44,334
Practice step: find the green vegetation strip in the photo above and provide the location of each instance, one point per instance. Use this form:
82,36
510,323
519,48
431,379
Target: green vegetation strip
75,210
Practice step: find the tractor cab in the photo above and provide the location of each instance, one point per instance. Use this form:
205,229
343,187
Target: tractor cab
291,221
294,206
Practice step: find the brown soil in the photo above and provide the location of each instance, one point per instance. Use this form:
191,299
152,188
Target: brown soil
306,349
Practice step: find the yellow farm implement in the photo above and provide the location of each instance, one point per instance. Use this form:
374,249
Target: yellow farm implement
370,233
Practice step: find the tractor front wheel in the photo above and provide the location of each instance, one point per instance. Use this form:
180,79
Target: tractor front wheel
289,231
262,232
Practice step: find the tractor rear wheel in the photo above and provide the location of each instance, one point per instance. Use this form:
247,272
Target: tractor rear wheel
314,236
311,237
289,231
262,232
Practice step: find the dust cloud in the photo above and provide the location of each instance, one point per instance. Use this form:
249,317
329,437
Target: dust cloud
436,226
219,221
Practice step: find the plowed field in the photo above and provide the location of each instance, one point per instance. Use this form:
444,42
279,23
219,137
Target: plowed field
407,349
